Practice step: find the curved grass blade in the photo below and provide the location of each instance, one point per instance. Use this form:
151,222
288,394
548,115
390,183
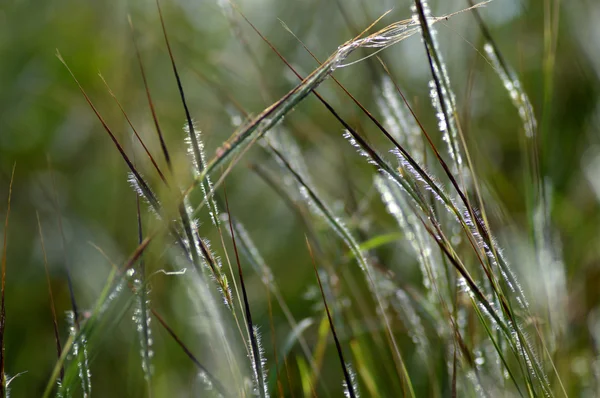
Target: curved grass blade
382,39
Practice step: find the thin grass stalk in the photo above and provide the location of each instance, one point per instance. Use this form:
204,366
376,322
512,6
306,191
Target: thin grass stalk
208,378
191,247
148,194
249,250
137,135
258,363
196,149
399,209
64,247
80,357
195,144
476,295
539,217
51,297
161,139
350,385
394,206
274,343
483,239
213,380
341,230
192,134
430,184
110,292
143,188
442,95
3,382
141,313
196,245
384,38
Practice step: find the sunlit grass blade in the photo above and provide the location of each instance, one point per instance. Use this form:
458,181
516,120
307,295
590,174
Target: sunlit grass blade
80,357
274,344
190,243
257,354
362,368
250,251
480,237
141,315
480,303
196,246
267,119
442,96
537,201
397,120
141,186
413,231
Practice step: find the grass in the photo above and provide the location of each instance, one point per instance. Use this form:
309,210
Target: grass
463,327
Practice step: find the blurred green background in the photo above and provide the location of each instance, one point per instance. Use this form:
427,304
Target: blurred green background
44,120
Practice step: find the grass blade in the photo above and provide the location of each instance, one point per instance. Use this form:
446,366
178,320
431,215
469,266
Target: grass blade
350,384
257,127
259,371
64,249
112,289
141,313
3,382
212,379
161,139
51,295
342,231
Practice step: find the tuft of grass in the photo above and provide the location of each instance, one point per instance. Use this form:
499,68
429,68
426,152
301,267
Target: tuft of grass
463,326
